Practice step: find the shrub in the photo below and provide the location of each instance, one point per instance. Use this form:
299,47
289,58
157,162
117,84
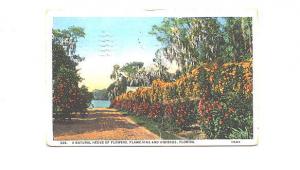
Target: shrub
218,98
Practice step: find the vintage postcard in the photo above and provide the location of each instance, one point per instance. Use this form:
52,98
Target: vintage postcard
152,78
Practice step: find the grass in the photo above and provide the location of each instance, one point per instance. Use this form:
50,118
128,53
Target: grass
151,126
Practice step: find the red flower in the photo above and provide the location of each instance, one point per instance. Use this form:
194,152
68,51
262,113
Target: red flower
209,118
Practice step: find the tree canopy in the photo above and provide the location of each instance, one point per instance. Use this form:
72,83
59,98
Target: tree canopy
68,97
191,41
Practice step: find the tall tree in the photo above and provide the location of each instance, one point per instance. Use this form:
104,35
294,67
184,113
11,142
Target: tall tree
189,41
116,72
238,36
68,97
68,39
161,68
132,68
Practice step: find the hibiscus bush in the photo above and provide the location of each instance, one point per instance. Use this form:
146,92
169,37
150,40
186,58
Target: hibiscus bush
225,104
215,98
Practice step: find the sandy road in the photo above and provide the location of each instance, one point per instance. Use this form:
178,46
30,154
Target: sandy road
101,123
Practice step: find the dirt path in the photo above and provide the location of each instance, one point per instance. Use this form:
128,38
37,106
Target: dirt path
101,123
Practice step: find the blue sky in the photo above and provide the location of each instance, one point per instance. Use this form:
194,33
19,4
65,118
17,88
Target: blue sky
125,32
129,40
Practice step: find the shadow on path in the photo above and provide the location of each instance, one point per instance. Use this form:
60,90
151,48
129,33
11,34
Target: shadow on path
96,120
100,123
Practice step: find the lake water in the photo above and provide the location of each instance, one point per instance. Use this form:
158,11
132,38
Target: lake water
100,103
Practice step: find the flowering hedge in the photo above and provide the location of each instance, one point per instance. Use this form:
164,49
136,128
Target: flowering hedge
216,98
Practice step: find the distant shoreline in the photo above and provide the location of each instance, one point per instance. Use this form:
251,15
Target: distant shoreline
100,103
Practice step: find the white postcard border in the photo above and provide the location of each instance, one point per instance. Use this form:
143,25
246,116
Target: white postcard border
102,12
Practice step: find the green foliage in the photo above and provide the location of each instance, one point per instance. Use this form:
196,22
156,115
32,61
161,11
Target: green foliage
117,88
116,72
68,38
65,90
132,68
225,108
238,38
100,94
83,100
156,127
191,41
214,89
240,134
162,69
60,60
218,99
68,97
